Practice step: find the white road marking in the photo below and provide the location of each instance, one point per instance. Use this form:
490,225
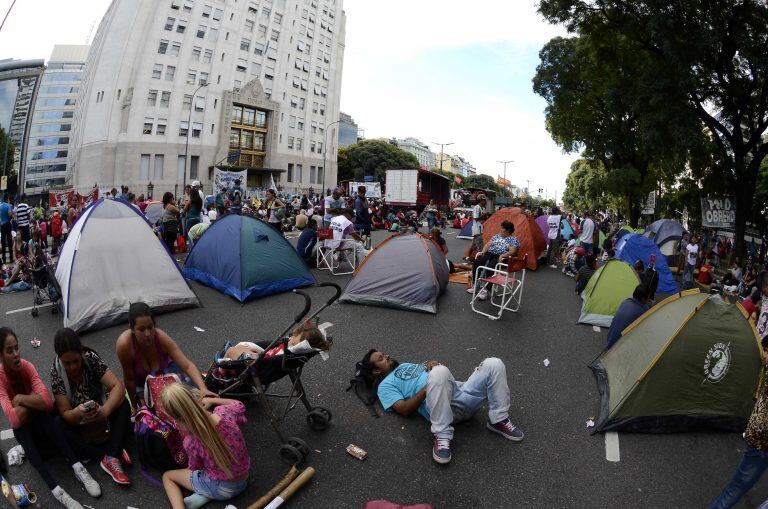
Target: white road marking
596,328
29,308
612,446
6,434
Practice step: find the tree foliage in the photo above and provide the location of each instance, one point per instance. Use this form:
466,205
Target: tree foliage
372,157
712,57
7,154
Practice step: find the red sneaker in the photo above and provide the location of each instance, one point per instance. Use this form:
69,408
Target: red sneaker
126,459
113,467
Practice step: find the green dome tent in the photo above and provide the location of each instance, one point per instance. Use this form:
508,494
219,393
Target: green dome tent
607,289
691,362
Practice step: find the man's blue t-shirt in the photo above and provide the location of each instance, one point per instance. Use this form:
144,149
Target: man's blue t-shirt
5,212
629,311
306,243
403,383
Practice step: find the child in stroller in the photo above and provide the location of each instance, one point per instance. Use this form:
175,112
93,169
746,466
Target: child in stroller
303,340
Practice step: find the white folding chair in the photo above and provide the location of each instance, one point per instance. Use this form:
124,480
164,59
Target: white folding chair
333,254
505,286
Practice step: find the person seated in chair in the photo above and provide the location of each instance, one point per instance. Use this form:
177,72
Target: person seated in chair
431,390
343,230
500,249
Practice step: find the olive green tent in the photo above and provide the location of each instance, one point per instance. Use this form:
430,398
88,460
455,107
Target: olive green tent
607,289
691,362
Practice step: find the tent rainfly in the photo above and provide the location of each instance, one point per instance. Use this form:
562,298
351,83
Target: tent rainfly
608,287
527,232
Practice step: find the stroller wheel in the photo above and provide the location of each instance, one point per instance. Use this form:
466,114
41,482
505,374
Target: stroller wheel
34,312
291,455
299,444
318,418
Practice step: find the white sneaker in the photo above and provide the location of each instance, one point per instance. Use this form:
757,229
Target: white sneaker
64,498
90,484
553,266
471,290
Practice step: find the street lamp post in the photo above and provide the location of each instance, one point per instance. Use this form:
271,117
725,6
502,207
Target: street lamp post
442,152
189,128
325,152
505,168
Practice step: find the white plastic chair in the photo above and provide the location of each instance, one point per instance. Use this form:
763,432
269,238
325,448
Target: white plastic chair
505,286
334,254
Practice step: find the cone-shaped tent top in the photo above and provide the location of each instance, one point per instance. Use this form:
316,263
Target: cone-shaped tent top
526,230
691,362
664,230
112,258
406,271
606,290
634,247
541,221
247,259
466,231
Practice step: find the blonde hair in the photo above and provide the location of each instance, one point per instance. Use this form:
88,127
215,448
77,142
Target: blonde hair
182,406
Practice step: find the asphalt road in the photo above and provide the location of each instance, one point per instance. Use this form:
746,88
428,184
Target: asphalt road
559,464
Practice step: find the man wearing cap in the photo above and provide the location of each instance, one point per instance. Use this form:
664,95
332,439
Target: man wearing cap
362,215
333,206
431,390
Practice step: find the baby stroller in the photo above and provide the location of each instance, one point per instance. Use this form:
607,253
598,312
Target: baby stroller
248,379
45,288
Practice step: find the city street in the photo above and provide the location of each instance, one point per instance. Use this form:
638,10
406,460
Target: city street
559,464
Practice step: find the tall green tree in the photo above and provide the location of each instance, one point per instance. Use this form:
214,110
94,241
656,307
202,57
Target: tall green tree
7,155
596,87
372,157
711,54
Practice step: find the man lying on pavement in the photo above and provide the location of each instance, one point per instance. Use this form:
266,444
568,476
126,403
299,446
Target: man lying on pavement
431,389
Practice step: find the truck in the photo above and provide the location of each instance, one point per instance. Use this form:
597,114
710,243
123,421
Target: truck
416,187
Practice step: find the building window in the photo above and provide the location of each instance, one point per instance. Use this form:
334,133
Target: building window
266,11
144,168
191,77
188,5
262,31
194,163
161,123
148,124
242,65
234,138
197,128
207,9
261,118
302,103
312,146
207,56
163,47
170,73
175,49
196,53
165,99
300,125
157,71
199,104
186,104
237,115
275,35
299,143
297,175
181,27
292,121
258,48
290,141
183,128
169,23
289,174
203,78
278,19
249,25
152,98
217,14
320,176
258,142
319,147
201,31
159,164
245,45
213,35
294,101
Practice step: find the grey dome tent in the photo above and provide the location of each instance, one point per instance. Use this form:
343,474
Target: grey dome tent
406,271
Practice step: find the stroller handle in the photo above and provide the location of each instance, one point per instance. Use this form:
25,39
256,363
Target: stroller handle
307,305
335,297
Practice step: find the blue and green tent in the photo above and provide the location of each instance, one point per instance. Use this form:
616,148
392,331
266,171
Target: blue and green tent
247,259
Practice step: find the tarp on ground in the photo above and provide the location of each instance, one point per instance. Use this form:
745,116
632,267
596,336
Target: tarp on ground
526,230
406,271
692,362
634,247
112,258
608,287
247,259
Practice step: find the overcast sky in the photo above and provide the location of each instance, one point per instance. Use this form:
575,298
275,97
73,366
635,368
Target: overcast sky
437,70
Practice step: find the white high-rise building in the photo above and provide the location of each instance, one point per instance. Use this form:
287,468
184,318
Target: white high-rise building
47,150
426,157
235,84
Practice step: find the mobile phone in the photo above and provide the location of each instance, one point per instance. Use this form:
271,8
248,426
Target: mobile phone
89,405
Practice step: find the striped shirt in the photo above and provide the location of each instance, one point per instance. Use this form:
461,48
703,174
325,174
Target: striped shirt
22,214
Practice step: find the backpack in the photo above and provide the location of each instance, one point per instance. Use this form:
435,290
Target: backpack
158,442
363,384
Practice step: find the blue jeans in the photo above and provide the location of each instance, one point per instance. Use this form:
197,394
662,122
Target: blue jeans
449,401
751,468
688,276
213,489
19,286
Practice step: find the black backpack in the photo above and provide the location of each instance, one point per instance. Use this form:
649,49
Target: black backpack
363,384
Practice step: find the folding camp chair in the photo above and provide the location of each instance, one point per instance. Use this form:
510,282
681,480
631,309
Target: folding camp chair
506,286
331,256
